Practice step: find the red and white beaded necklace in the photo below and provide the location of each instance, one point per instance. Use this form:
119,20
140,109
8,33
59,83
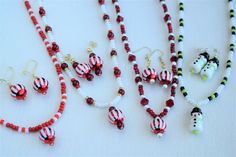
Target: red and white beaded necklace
158,124
47,135
115,115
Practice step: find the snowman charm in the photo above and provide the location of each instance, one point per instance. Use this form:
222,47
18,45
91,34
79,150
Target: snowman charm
196,121
199,63
208,71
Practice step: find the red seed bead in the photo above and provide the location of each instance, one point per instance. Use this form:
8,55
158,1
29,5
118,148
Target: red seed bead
124,38
170,103
170,29
90,101
117,72
113,1
173,59
167,17
55,47
171,37
117,9
144,101
75,83
121,91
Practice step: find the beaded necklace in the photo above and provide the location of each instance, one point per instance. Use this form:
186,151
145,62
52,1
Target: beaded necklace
47,135
197,119
157,124
115,115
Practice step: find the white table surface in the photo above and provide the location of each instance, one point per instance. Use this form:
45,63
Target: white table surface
84,130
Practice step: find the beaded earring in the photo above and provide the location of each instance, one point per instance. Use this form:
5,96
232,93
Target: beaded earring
95,62
210,68
149,74
199,63
40,84
83,70
18,91
165,76
196,121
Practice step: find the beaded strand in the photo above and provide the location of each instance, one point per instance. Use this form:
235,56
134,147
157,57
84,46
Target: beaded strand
51,121
132,58
116,70
196,125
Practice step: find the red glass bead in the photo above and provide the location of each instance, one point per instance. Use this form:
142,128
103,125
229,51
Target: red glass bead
121,91
48,28
170,29
171,37
101,2
113,53
167,17
170,103
144,101
124,38
75,83
90,101
132,58
64,66
110,35
42,12
106,17
138,79
117,9
55,47
119,19
173,59
117,72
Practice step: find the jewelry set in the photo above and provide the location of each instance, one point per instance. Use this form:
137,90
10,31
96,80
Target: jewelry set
203,65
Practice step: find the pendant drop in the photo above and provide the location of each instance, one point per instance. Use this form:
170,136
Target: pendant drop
116,117
158,126
47,136
196,121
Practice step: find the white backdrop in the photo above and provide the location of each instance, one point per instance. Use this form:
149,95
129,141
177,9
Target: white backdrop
85,131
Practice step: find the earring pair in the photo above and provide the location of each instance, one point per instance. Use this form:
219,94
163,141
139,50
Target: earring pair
84,70
150,74
18,91
204,65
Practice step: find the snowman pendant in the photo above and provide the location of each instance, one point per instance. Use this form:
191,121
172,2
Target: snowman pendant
196,121
208,71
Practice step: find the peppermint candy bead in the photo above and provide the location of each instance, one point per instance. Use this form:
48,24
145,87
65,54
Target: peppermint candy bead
83,70
158,126
165,78
149,75
116,117
18,91
95,63
40,85
47,136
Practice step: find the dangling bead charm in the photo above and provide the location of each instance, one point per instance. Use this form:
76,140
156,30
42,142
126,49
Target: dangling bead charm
40,85
196,121
158,126
149,75
83,70
18,91
199,63
116,117
208,71
95,63
165,78
47,136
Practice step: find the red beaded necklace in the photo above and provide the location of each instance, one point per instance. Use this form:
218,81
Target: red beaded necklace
158,124
48,133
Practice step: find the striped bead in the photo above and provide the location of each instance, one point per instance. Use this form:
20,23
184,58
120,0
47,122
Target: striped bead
47,136
96,63
83,70
18,91
116,117
158,126
149,75
165,78
40,85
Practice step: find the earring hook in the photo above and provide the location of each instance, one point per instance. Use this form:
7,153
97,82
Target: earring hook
9,80
92,45
26,70
161,60
147,57
69,58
